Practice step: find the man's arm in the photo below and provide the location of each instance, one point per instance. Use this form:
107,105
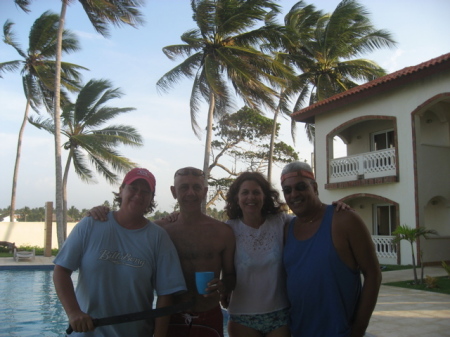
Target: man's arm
78,320
228,271
363,250
162,323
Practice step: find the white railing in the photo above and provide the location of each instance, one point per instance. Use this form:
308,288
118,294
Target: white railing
363,166
384,246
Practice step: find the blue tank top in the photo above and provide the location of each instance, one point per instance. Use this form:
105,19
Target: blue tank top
323,291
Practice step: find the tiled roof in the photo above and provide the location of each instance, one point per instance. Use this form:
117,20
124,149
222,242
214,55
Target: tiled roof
371,88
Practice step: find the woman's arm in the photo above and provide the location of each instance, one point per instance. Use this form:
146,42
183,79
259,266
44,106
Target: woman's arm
78,320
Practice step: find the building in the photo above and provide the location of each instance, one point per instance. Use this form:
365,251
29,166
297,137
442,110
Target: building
397,170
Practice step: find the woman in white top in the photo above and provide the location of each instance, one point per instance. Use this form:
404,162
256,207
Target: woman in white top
258,306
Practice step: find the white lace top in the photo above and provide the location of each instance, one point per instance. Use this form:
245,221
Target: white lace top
260,281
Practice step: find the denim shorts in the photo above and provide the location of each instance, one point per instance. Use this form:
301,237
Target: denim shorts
263,323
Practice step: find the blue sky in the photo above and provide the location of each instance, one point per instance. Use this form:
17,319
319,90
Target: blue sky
133,60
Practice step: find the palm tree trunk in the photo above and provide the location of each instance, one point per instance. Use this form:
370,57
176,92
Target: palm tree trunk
212,103
414,263
57,118
16,165
272,144
66,175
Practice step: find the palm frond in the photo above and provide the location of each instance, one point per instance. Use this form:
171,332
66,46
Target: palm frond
117,12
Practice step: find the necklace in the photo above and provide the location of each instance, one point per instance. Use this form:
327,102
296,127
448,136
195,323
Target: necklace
309,220
317,215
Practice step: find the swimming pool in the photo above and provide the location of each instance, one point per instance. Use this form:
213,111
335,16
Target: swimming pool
29,304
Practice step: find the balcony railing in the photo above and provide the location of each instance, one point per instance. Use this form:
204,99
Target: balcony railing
373,164
384,246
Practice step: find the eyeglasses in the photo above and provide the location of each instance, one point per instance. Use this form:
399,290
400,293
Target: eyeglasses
190,170
299,187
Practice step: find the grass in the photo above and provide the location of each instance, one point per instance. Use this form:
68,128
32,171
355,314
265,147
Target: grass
391,267
442,285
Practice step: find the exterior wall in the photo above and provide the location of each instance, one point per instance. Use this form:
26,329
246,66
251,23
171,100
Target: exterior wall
29,233
433,166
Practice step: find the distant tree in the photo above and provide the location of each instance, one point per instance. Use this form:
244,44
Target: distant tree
158,215
243,137
74,213
411,235
37,214
216,214
86,140
38,72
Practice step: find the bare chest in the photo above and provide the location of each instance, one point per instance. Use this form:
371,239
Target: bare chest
197,245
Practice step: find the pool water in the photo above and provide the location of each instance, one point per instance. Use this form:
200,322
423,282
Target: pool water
29,304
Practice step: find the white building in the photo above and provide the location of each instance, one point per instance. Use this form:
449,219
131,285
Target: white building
397,169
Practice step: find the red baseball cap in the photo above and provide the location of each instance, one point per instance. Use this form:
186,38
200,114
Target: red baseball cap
140,173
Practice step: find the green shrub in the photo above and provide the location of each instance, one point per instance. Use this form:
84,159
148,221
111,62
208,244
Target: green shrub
37,250
446,268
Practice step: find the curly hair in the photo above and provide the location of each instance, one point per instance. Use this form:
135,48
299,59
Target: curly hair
272,203
118,200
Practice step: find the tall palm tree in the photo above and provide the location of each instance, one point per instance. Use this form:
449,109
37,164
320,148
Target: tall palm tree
100,13
411,235
80,124
223,49
298,25
38,71
328,58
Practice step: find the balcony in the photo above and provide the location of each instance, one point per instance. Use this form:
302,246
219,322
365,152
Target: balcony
384,247
368,165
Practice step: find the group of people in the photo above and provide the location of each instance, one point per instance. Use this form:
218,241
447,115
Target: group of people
278,275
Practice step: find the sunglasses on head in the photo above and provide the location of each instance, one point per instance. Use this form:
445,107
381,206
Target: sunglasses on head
186,171
299,187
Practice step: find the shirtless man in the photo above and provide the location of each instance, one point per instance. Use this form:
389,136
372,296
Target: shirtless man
203,244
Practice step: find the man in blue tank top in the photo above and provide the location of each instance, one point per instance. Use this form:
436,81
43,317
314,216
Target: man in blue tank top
325,252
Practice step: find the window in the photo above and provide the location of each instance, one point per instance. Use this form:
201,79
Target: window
383,140
384,219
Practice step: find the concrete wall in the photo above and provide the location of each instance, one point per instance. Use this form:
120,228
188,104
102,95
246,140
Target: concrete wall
29,233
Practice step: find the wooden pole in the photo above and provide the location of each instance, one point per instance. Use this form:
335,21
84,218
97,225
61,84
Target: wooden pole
48,229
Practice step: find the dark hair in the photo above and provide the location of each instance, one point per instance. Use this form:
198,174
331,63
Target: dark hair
272,203
118,200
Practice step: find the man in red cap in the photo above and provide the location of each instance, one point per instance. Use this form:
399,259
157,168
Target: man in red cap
121,263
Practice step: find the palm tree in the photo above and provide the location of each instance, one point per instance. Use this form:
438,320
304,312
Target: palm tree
80,122
327,57
38,71
298,26
404,232
100,13
222,50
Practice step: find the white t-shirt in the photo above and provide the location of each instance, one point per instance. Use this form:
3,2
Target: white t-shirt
119,270
260,279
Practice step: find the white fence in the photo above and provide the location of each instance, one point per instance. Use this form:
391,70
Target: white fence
384,247
365,165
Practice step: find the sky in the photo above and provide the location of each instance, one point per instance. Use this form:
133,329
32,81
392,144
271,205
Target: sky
132,59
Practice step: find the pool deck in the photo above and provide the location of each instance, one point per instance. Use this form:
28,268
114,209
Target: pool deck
399,312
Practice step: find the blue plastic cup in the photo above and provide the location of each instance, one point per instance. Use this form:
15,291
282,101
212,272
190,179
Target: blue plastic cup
201,280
